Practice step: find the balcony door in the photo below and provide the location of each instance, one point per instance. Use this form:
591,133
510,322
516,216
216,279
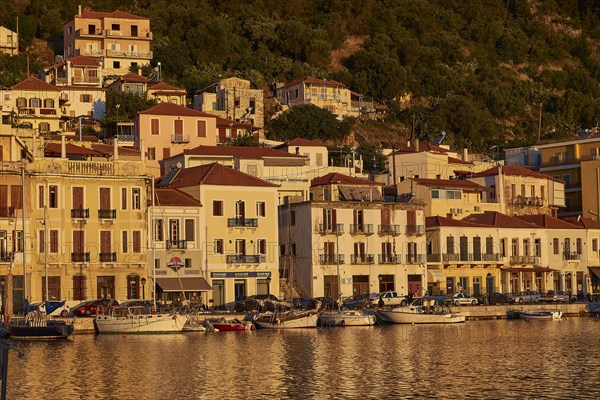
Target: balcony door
174,230
240,247
105,244
240,210
105,198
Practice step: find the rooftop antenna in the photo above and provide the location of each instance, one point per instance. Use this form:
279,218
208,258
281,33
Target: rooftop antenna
438,139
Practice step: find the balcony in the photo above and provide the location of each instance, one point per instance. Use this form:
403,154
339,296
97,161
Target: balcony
526,201
389,259
107,214
108,257
132,35
571,256
176,244
6,257
491,257
89,52
415,229
532,260
47,111
450,257
242,222
80,257
86,79
393,230
415,258
80,213
362,259
90,168
245,259
326,259
328,229
87,33
361,229
128,54
7,212
180,138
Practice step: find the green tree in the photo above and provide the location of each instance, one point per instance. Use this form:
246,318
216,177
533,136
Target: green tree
309,122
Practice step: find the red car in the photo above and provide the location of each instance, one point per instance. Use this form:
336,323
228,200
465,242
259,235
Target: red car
91,307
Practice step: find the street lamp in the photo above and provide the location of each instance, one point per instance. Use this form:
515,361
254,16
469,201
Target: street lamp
143,288
2,282
268,285
380,277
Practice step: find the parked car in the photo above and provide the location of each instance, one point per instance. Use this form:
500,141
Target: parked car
91,307
461,299
497,298
357,301
253,303
559,296
390,298
528,296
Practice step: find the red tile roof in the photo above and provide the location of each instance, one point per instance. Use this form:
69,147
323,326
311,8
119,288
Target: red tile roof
34,83
309,80
85,61
423,147
114,14
244,153
86,138
108,149
443,221
300,142
547,221
337,178
512,170
135,78
449,183
215,174
165,86
166,108
453,160
498,220
587,223
174,197
54,149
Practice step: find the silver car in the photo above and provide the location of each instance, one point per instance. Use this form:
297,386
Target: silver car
528,296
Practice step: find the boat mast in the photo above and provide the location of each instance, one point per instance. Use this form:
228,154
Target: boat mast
23,222
152,222
46,241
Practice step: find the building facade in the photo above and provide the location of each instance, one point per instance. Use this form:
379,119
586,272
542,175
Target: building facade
9,42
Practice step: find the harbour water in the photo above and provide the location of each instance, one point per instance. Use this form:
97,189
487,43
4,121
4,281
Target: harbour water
494,359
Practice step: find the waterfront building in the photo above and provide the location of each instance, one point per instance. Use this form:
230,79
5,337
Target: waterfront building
37,105
328,94
169,128
239,227
162,92
9,41
232,99
121,39
346,240
176,251
591,250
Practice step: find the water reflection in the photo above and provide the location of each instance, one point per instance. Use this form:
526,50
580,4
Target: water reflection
484,359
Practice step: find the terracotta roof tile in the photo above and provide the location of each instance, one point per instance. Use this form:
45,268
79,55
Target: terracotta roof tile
244,153
498,220
300,142
114,14
135,78
34,83
423,147
75,138
337,178
587,223
215,174
108,149
174,109
443,221
309,80
165,86
54,149
85,61
449,183
174,197
512,170
547,221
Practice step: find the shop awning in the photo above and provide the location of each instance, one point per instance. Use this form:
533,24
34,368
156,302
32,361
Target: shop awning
195,284
436,275
595,271
533,269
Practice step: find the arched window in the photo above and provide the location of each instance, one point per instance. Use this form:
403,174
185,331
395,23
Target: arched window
79,287
133,286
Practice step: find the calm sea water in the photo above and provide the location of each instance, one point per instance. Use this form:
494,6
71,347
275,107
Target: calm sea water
480,359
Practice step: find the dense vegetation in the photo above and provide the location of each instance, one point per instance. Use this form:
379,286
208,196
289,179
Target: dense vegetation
478,70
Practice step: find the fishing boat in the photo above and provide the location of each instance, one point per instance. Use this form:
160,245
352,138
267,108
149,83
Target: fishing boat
288,318
346,318
139,319
540,315
38,328
233,325
420,312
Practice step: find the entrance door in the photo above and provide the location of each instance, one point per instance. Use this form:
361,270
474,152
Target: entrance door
360,285
414,285
240,289
386,282
489,284
450,285
331,287
218,292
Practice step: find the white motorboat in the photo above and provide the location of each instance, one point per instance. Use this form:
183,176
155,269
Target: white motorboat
420,312
287,319
139,320
535,315
346,318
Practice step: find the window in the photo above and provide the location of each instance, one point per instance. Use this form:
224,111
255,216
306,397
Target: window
594,244
190,231
217,208
450,244
166,152
116,64
260,209
158,230
53,196
567,179
532,190
48,103
42,241
578,244
21,102
35,103
188,263
44,127
116,27
513,190
261,246
293,249
53,241
252,103
523,191
136,203
489,245
543,192
218,246
124,199
555,246
493,192
18,241
151,153
85,98
154,126
124,243
157,263
79,287
514,247
319,159
201,128
435,194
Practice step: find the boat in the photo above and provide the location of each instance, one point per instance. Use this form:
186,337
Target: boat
287,317
138,319
346,318
233,325
420,311
535,315
38,328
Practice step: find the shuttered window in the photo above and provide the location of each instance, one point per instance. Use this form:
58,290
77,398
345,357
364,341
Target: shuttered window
201,128
154,126
190,234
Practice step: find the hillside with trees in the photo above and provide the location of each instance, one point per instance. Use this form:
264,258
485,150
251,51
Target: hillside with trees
479,70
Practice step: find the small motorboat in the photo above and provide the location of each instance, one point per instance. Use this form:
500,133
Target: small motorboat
233,325
535,315
39,328
346,318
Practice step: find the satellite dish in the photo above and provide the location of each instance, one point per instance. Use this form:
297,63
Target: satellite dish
438,139
178,165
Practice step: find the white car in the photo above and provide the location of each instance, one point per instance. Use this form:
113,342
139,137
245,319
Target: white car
390,298
462,299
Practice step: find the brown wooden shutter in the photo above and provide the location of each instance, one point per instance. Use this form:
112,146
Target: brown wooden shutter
201,128
105,198
166,152
54,241
189,230
3,196
77,198
15,197
154,126
124,244
179,127
355,218
42,241
78,240
137,242
334,219
385,217
105,242
124,198
411,217
41,197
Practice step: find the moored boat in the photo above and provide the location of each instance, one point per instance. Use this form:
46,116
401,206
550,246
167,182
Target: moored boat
233,325
540,315
420,312
346,318
139,320
39,329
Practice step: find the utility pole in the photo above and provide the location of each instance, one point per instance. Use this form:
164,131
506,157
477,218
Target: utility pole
540,125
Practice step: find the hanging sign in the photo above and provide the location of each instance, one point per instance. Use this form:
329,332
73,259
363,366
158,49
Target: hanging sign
175,264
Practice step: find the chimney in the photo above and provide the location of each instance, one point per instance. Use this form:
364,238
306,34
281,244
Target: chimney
115,149
416,145
79,10
139,71
63,147
143,150
465,154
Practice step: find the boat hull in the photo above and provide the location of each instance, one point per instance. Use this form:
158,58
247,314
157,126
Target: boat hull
396,316
540,315
346,318
146,323
227,327
274,322
36,330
